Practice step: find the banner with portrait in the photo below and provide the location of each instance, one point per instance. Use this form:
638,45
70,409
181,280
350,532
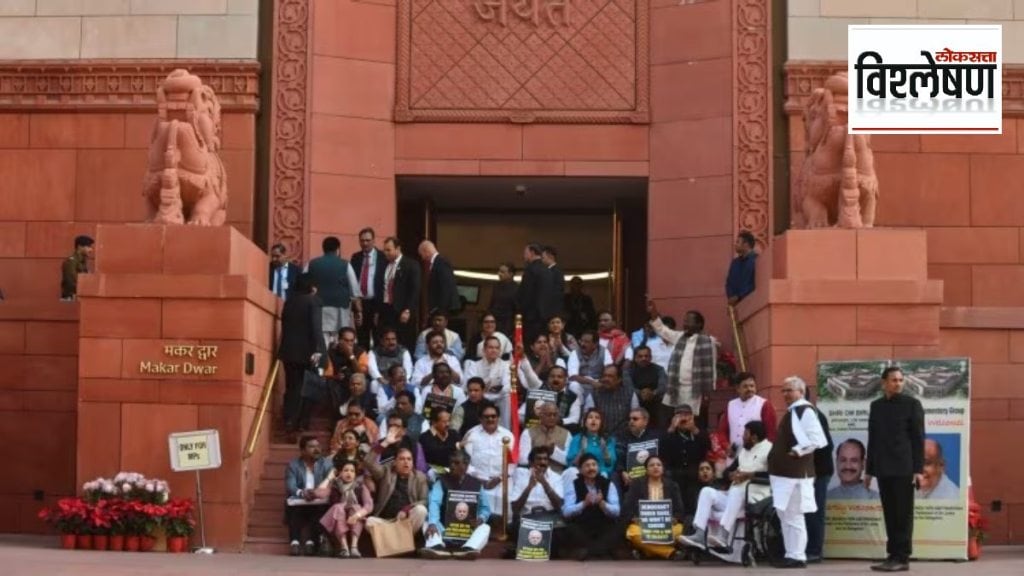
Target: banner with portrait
854,526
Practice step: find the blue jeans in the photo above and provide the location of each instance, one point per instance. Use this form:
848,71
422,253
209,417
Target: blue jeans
816,520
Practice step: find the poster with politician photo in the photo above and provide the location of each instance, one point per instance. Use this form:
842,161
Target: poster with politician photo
637,454
534,542
853,516
459,514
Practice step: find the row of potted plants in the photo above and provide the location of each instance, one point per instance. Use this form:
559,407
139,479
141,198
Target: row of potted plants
128,512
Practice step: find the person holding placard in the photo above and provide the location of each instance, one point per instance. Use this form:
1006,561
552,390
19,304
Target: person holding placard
537,493
568,396
591,509
633,447
457,513
595,441
440,392
656,486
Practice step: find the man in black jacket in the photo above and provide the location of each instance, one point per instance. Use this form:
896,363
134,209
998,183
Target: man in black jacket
369,265
442,292
555,297
301,345
283,272
824,468
533,288
401,298
896,459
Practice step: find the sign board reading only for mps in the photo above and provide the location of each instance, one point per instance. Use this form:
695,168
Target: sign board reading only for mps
199,450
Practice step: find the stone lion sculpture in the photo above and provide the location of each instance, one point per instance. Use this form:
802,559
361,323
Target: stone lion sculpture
837,185
185,179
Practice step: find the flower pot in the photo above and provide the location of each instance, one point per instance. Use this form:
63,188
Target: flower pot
131,543
67,541
973,548
177,544
100,541
117,542
83,541
146,543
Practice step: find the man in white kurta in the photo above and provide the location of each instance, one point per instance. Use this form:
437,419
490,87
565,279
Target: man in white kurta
496,374
484,445
791,469
725,506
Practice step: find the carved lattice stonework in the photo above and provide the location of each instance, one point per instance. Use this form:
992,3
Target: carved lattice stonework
116,85
752,134
289,124
583,61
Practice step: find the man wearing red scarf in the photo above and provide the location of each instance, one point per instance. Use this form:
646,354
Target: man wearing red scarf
612,339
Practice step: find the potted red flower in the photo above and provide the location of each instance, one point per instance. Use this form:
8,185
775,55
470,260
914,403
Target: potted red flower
726,368
179,524
98,524
69,516
117,525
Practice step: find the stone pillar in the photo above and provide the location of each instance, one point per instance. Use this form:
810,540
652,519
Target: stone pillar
159,286
835,294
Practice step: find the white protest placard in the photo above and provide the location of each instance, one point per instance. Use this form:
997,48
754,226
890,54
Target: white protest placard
198,450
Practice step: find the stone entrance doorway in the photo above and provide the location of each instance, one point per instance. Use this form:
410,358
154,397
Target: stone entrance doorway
598,225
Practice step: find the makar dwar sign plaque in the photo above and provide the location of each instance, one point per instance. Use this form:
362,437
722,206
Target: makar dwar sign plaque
182,359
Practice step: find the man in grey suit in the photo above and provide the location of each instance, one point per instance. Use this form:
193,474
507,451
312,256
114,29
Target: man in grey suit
305,508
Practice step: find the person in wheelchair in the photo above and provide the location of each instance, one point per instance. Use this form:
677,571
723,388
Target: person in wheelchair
726,505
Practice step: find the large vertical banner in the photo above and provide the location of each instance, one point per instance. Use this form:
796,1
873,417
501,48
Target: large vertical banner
853,518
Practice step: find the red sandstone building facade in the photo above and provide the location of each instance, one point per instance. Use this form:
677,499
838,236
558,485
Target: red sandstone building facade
662,127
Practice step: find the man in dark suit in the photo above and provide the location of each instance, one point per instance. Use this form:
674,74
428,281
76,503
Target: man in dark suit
301,344
555,297
533,287
369,265
896,460
401,293
283,272
442,293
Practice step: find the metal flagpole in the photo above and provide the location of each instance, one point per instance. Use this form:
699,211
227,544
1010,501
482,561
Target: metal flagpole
202,518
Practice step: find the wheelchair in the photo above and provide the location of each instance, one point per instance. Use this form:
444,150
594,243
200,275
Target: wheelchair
761,535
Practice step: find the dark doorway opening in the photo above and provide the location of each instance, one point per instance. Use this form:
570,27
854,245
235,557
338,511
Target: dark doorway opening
598,225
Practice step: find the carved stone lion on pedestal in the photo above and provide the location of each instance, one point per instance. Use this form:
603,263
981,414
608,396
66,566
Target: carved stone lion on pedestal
185,179
837,185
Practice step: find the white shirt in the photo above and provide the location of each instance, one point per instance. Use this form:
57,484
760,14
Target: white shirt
425,366
485,451
558,453
753,461
370,272
528,377
280,288
374,370
506,345
537,498
661,351
455,392
385,405
574,361
686,362
497,377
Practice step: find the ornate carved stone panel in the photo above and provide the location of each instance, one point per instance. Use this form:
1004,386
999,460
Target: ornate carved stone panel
119,85
752,134
289,124
583,61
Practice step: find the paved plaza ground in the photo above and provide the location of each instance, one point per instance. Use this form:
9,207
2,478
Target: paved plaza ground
32,556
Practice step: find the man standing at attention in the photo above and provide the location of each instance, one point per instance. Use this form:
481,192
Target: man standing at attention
77,263
896,459
337,286
740,281
555,297
368,264
283,272
791,469
691,368
442,293
401,293
533,288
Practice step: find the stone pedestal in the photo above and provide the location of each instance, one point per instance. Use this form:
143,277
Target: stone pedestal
176,333
838,295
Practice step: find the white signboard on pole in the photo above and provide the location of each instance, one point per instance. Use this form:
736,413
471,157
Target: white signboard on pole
199,450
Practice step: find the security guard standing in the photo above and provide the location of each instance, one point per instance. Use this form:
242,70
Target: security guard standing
77,263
